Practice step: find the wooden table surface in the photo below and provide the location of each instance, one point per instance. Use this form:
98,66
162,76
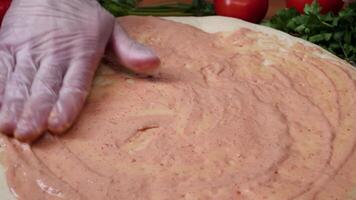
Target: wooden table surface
274,5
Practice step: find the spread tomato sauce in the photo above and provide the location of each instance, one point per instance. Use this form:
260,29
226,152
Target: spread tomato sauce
240,115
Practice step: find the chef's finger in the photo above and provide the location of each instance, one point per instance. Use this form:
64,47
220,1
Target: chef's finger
44,94
132,54
6,67
72,95
16,92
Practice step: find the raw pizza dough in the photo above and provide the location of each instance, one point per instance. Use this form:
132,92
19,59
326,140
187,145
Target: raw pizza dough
249,113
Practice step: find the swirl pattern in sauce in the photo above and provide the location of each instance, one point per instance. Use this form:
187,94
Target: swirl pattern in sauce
242,115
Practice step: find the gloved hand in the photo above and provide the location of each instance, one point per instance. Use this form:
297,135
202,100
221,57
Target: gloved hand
49,52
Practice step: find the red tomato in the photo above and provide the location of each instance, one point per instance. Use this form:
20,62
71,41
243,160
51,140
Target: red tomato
4,5
326,5
249,10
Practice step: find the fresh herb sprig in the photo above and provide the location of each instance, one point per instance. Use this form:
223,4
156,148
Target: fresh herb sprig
335,33
131,7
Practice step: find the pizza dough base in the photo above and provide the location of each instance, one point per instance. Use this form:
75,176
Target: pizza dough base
248,114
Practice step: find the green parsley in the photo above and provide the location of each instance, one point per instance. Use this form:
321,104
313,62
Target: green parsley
335,33
130,7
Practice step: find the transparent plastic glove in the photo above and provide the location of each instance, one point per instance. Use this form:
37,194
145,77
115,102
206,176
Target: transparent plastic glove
49,52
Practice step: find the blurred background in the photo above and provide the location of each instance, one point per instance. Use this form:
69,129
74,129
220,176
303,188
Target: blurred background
274,5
